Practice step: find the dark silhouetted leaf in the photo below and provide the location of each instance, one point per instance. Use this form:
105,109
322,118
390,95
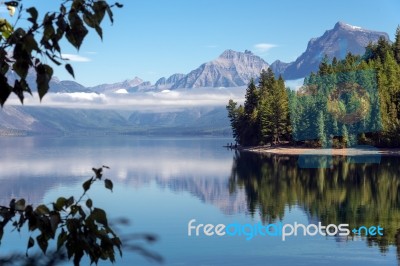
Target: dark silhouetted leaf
108,184
70,70
62,237
86,185
34,14
54,221
42,209
60,203
76,31
43,76
31,243
5,90
99,31
99,216
42,242
69,201
20,205
98,172
89,203
19,90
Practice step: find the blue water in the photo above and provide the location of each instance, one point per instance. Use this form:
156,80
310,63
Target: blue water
160,184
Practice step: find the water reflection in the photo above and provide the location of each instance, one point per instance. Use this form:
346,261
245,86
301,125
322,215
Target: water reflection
357,194
32,166
200,171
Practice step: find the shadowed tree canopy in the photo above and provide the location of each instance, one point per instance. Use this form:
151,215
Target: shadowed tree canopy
26,49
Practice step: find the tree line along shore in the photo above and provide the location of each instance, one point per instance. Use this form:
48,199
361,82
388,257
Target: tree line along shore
349,102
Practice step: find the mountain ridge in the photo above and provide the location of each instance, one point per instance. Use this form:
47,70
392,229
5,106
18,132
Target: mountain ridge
233,68
336,42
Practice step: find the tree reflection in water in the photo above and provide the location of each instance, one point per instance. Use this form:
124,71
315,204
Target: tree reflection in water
354,193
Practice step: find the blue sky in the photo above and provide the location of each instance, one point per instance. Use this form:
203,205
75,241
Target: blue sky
155,38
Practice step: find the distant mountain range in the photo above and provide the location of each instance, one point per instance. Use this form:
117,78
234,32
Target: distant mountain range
34,120
232,68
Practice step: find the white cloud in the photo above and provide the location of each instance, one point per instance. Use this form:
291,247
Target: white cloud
155,101
76,58
122,91
263,47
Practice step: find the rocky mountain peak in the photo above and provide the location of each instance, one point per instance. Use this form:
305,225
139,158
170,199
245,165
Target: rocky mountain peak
337,42
230,69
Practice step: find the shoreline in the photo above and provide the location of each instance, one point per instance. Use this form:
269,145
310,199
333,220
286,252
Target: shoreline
292,150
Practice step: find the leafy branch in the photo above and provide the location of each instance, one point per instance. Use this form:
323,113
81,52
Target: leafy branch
76,225
27,49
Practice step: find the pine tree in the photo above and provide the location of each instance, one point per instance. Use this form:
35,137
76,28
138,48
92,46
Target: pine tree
234,119
321,130
396,45
249,123
277,115
266,83
251,98
345,136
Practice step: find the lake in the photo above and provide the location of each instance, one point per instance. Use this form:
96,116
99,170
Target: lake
160,184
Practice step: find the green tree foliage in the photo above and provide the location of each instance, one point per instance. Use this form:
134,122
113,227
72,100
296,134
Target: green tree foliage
396,46
345,101
264,117
25,49
274,112
321,129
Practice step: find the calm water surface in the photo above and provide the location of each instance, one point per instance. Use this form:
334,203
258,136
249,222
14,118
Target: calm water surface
162,183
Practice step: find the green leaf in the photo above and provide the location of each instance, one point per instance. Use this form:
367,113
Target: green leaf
5,28
99,9
30,43
21,65
70,70
60,203
110,14
89,203
76,31
20,205
98,172
86,185
31,243
42,209
62,237
42,242
54,221
34,14
99,31
100,216
44,74
19,90
108,184
5,89
69,201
